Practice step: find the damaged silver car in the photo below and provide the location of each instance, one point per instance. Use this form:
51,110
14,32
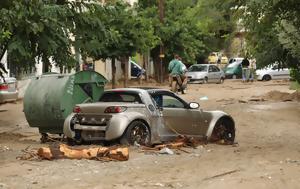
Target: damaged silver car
145,116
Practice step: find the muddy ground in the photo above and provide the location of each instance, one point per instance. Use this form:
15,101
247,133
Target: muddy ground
267,154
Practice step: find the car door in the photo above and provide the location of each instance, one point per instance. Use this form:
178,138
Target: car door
178,118
210,74
217,73
213,73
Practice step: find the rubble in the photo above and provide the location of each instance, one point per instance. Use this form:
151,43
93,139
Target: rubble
62,151
166,151
95,153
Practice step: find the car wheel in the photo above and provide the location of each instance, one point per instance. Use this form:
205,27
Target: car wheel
221,80
73,142
234,77
136,132
224,131
266,78
44,138
205,80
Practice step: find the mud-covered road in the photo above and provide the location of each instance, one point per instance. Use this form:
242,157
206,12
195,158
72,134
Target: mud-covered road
267,154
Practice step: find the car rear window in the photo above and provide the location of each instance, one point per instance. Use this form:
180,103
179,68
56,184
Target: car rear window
121,97
198,68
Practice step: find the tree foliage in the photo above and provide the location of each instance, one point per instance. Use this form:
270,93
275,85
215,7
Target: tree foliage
273,33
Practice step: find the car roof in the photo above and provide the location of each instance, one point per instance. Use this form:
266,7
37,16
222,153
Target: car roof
138,89
202,64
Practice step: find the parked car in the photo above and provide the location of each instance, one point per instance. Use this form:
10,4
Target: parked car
136,70
214,56
237,59
205,73
234,69
8,90
145,116
273,72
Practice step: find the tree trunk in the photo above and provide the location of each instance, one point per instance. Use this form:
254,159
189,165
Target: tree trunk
46,64
146,65
124,61
113,70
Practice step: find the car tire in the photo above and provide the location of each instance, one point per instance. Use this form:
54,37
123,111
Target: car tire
73,142
221,80
205,80
224,131
137,132
266,78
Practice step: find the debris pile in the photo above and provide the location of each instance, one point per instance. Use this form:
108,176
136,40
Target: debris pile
62,151
180,142
283,96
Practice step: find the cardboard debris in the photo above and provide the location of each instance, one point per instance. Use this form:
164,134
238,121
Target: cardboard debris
96,153
180,142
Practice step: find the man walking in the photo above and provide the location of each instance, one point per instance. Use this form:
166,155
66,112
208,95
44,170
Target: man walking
175,70
245,69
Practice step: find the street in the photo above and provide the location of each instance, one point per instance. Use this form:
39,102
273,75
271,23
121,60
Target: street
266,154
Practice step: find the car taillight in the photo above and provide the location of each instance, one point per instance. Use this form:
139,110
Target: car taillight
3,87
115,109
76,109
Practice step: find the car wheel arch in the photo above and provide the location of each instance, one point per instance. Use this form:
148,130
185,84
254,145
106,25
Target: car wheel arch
267,77
215,122
135,120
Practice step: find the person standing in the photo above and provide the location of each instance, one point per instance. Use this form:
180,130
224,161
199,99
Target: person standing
245,69
252,69
175,70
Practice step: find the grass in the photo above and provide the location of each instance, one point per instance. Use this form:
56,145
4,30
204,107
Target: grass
295,85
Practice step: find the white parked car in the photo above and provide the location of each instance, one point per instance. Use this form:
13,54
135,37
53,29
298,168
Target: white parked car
273,72
8,90
205,73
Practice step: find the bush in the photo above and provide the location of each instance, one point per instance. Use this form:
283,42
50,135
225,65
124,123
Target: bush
295,74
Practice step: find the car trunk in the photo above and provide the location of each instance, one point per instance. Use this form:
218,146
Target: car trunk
100,107
9,86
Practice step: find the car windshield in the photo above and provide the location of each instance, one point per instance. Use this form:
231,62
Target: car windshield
118,96
198,68
234,64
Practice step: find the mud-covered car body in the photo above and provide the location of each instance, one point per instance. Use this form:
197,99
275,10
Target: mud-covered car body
163,113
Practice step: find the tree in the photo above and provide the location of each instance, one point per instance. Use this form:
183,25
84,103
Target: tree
187,28
46,30
273,31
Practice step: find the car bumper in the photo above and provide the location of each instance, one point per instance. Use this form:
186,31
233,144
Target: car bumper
112,129
259,77
195,80
6,96
228,75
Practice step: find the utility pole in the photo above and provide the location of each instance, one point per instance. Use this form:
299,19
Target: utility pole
161,51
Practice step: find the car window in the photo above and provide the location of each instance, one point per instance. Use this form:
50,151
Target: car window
210,69
198,68
167,101
215,69
120,97
171,102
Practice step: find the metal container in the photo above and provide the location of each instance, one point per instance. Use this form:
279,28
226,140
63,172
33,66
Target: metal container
49,99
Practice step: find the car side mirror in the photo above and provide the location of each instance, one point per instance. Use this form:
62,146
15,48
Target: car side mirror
194,105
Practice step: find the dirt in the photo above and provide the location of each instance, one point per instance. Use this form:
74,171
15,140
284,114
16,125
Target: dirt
267,154
283,96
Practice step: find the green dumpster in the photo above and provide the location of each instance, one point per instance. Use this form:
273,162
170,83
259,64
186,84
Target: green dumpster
49,99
